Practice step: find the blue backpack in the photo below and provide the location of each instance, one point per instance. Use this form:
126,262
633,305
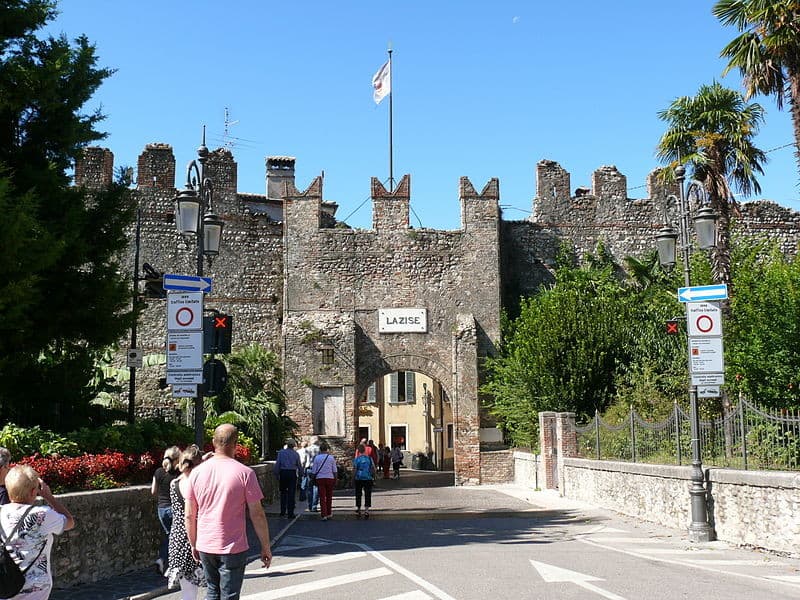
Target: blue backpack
363,467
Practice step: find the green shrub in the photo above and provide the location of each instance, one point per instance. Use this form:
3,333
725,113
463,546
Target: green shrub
28,441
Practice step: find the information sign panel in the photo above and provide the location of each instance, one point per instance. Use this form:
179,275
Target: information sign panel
705,355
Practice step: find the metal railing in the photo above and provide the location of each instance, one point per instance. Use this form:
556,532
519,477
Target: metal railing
745,437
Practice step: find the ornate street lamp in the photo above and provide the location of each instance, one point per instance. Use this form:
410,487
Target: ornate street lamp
194,216
705,228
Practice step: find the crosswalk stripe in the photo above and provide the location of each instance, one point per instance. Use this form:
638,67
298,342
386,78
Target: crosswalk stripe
321,584
415,595
785,578
322,560
627,540
722,561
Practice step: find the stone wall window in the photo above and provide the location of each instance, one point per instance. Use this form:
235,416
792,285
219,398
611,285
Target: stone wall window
450,438
327,408
402,387
327,356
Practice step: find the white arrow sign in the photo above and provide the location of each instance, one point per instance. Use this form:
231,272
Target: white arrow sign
187,283
552,574
701,293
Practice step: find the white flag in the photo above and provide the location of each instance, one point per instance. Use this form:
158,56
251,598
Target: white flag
381,83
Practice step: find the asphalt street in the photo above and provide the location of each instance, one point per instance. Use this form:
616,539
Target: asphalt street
428,539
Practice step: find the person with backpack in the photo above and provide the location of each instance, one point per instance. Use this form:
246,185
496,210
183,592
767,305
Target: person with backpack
364,473
162,479
27,531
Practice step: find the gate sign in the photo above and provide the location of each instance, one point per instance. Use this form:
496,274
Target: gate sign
185,311
704,319
399,320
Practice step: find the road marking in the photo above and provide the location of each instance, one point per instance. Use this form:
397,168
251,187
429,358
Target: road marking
415,595
721,561
785,578
321,584
628,540
688,563
406,573
322,560
553,574
680,552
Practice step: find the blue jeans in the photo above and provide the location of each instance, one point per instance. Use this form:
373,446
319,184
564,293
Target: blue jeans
312,495
165,518
224,574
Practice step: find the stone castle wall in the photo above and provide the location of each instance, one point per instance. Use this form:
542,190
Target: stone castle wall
294,279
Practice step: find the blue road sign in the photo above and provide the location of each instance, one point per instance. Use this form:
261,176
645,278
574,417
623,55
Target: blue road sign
702,293
187,283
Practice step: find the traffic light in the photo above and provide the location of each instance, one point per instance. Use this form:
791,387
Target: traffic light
153,282
217,333
672,326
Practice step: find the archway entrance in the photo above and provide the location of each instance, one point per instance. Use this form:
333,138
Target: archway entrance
412,411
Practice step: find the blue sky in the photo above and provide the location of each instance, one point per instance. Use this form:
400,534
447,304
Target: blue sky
479,89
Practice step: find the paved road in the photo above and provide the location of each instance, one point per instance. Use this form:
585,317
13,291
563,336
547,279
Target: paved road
427,539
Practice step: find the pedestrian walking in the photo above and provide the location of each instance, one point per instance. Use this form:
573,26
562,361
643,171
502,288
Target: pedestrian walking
312,491
221,492
397,461
5,467
302,452
385,455
287,468
184,569
364,474
324,471
28,529
372,451
162,479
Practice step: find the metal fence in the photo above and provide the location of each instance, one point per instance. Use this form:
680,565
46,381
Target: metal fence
745,437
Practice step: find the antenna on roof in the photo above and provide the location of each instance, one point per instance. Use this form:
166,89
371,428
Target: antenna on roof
228,140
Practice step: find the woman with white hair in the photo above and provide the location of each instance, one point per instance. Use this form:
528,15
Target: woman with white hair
28,529
162,479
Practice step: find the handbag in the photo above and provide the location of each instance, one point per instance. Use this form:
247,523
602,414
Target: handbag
12,578
312,477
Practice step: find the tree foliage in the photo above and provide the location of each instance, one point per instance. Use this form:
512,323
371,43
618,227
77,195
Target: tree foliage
254,387
63,299
767,51
713,133
762,336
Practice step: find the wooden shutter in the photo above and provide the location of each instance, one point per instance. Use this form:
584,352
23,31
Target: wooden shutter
393,387
372,393
411,387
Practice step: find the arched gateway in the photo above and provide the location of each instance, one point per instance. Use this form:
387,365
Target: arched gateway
361,304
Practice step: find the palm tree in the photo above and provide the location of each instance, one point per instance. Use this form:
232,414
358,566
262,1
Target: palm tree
713,133
767,53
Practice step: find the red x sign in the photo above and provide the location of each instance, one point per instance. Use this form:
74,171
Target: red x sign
672,327
221,322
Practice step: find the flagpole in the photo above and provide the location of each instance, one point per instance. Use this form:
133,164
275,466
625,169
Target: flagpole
391,149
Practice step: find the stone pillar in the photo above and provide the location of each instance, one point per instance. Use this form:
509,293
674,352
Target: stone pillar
95,168
566,442
466,417
156,167
390,210
549,449
558,441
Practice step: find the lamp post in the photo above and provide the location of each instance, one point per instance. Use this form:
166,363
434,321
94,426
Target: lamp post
704,221
194,215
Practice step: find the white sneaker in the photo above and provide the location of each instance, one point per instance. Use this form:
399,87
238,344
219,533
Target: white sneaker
160,565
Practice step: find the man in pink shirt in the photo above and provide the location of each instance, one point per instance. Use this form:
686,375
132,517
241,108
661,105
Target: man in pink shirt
219,491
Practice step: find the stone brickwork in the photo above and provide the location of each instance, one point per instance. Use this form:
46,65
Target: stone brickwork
497,466
297,281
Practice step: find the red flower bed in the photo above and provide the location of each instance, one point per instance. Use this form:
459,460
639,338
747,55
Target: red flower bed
102,471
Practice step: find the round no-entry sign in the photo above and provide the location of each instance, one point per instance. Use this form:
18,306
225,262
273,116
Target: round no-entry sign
704,319
185,311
